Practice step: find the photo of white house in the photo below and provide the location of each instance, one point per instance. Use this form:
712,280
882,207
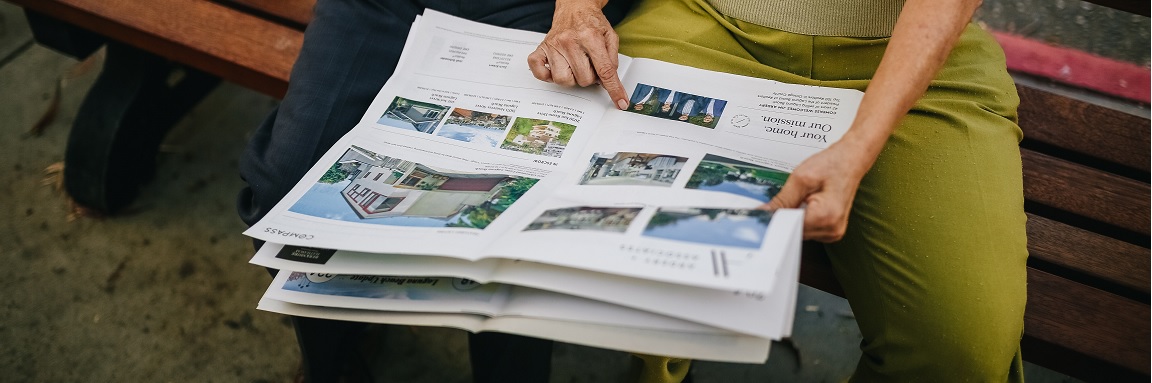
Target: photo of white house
369,188
413,115
543,137
627,168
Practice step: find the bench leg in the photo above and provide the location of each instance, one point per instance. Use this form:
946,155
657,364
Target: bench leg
118,129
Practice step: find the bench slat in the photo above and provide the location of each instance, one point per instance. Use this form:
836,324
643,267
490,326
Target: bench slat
1085,128
1091,321
1088,252
1059,311
260,58
1085,191
297,11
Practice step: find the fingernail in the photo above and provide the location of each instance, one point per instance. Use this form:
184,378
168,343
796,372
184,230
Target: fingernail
621,104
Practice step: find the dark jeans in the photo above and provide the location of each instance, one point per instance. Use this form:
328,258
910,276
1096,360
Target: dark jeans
351,48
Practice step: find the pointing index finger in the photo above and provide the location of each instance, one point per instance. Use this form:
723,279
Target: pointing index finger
605,60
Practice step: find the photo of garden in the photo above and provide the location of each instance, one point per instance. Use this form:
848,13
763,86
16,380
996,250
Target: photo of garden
365,187
585,218
723,227
543,137
722,174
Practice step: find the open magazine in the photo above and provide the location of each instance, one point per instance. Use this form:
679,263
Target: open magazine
634,230
465,304
464,154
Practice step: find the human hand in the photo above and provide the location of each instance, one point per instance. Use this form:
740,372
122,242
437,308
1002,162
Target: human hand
580,49
827,183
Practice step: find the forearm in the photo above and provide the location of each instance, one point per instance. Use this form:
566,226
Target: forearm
562,4
922,40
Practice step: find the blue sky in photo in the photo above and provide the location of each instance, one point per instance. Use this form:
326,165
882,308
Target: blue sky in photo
472,133
324,201
740,188
735,231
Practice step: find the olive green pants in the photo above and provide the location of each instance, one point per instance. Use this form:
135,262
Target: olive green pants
933,262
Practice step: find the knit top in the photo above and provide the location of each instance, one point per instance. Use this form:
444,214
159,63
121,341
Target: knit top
848,18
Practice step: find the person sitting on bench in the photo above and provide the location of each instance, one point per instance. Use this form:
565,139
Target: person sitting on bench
921,201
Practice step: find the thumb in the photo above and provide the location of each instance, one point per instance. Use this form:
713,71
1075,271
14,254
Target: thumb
790,196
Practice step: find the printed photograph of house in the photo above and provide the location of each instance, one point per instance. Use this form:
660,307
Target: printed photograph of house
722,174
628,168
614,219
413,115
744,228
479,128
365,187
543,137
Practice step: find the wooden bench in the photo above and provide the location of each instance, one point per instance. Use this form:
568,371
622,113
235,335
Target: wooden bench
1086,167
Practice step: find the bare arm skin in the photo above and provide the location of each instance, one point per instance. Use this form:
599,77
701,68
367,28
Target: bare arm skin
923,38
581,49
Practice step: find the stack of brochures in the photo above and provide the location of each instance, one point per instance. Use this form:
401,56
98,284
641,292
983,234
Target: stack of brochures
473,196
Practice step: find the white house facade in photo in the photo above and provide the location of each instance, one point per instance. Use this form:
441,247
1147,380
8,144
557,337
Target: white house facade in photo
404,188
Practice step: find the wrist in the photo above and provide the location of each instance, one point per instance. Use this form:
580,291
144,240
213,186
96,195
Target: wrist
857,153
580,4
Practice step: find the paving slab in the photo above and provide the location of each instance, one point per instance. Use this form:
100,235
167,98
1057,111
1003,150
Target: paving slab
14,33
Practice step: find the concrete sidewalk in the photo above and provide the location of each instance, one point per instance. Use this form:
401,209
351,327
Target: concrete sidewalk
164,293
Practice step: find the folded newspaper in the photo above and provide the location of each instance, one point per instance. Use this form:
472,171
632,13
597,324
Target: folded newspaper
472,195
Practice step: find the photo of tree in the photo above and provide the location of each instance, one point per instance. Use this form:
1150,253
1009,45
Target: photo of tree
543,137
744,228
722,174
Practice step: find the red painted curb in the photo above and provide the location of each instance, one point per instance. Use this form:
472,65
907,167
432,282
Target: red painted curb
1074,67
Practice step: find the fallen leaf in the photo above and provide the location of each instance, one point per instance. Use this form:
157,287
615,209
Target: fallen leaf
49,115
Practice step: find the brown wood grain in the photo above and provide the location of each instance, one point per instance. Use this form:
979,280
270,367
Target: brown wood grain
1088,252
1084,128
298,11
1088,320
250,51
1077,317
1085,191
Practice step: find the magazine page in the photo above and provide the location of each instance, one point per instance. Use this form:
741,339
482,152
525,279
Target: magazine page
455,140
382,292
438,294
714,346
323,261
628,193
669,182
767,315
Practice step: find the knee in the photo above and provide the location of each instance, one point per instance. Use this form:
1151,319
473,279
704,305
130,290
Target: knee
957,349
